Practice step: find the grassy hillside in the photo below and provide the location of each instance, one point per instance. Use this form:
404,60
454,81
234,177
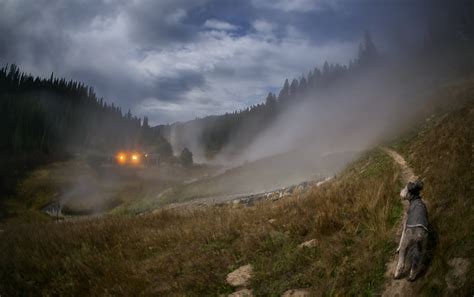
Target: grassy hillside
353,219
441,152
174,253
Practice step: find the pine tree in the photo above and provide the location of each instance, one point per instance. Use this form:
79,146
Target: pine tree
270,100
186,157
326,70
145,123
285,92
303,85
294,87
367,50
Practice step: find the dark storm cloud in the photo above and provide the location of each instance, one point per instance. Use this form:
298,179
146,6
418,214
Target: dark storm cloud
173,89
178,59
158,23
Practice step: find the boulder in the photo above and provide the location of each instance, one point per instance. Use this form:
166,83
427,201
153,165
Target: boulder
240,277
456,277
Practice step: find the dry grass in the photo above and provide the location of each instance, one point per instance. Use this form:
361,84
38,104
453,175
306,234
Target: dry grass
441,153
190,252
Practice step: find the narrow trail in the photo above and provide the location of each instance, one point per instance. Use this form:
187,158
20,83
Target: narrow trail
398,287
407,172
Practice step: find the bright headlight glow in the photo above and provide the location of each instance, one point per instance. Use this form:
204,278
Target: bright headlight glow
121,158
128,158
135,158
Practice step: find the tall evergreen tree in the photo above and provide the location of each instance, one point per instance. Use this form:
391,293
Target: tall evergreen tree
285,92
145,123
367,50
303,85
186,157
294,87
270,101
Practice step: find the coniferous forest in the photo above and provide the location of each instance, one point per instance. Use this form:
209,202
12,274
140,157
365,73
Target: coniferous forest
44,120
47,119
214,132
444,54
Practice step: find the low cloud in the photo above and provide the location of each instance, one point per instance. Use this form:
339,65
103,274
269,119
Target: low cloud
297,5
220,25
264,26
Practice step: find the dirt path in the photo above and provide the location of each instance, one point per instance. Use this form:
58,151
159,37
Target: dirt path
399,287
407,172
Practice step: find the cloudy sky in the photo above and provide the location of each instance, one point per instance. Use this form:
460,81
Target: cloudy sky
176,60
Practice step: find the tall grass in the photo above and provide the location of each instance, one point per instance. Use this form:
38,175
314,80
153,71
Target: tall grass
189,252
179,252
441,153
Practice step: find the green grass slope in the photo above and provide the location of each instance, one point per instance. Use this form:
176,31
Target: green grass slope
190,253
353,220
441,152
